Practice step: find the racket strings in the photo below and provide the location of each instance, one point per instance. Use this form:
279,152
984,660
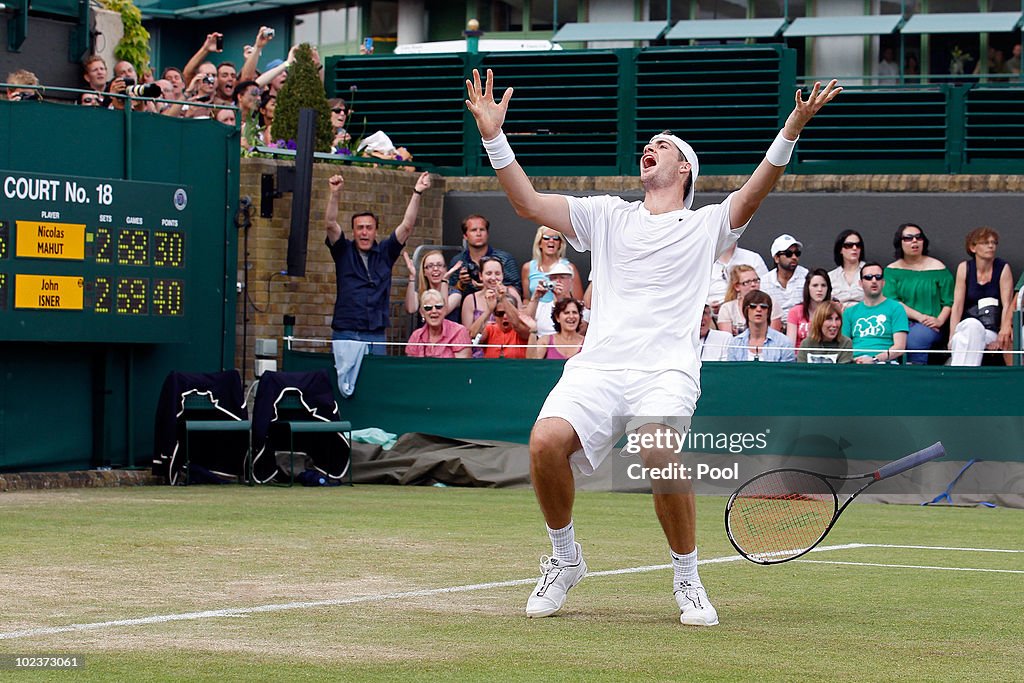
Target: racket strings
781,514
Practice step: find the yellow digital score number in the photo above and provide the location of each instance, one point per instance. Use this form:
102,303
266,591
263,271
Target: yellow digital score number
133,247
132,296
49,292
168,297
168,248
50,240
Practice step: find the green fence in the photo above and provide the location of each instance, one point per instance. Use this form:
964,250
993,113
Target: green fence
589,112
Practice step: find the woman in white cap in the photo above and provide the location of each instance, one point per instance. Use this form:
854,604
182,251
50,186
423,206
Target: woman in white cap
548,250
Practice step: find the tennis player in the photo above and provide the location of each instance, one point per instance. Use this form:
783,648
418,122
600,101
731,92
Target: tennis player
639,369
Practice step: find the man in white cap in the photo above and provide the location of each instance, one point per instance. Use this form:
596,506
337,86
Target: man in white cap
559,283
639,370
785,282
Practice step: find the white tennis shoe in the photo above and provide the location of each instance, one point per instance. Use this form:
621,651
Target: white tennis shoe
556,578
694,607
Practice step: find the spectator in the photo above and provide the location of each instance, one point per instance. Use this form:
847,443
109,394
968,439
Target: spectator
888,71
94,73
548,249
268,103
277,72
173,75
877,326
1013,63
126,70
22,77
478,307
200,57
849,254
246,96
559,285
923,285
982,314
430,275
824,343
759,342
201,90
785,282
90,99
720,271
167,93
227,76
437,330
339,117
742,279
363,267
913,66
817,289
508,337
566,340
252,53
476,231
714,344
225,116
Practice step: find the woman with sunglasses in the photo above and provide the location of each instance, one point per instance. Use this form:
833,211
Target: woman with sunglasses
923,285
760,342
848,253
567,341
817,290
743,279
825,342
339,117
982,316
431,274
548,249
431,340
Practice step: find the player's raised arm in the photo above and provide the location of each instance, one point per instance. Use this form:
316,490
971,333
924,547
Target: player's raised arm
545,209
746,200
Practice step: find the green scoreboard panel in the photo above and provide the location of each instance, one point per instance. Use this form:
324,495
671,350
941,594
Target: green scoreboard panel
93,259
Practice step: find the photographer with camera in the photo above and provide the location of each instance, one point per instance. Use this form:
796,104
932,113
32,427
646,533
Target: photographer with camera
476,233
214,43
22,77
201,91
559,283
253,53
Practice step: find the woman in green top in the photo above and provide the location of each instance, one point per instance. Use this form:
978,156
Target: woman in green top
923,285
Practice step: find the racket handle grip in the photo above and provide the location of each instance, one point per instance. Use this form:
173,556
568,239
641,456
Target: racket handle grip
913,460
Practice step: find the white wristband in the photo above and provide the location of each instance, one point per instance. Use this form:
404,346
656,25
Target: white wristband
499,151
781,150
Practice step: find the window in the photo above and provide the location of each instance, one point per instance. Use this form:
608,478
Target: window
332,31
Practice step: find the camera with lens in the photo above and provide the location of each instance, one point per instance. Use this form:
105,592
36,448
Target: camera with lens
473,270
546,284
144,90
209,79
26,96
268,33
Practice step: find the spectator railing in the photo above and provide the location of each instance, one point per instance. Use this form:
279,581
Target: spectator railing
589,112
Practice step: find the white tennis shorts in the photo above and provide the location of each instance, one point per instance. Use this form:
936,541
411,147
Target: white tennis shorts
602,405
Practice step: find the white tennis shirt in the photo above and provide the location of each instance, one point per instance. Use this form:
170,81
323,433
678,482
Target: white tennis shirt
651,277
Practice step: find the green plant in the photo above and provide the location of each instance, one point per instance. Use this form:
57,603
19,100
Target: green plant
134,45
302,89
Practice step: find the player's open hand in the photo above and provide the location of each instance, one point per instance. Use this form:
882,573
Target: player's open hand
804,110
489,114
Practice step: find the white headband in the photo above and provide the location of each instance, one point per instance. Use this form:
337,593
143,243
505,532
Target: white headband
691,157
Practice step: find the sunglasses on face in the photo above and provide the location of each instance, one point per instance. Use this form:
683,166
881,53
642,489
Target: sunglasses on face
551,238
338,110
751,281
791,253
851,245
756,305
872,277
916,237
432,307
498,314
89,100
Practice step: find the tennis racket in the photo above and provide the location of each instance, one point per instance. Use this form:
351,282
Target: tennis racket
781,514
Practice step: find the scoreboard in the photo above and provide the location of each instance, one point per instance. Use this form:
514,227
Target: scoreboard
93,259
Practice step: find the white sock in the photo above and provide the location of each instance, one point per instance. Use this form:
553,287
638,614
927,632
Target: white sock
563,543
685,568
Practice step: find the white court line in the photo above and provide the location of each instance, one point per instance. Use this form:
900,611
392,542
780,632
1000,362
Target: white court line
915,566
940,547
242,611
